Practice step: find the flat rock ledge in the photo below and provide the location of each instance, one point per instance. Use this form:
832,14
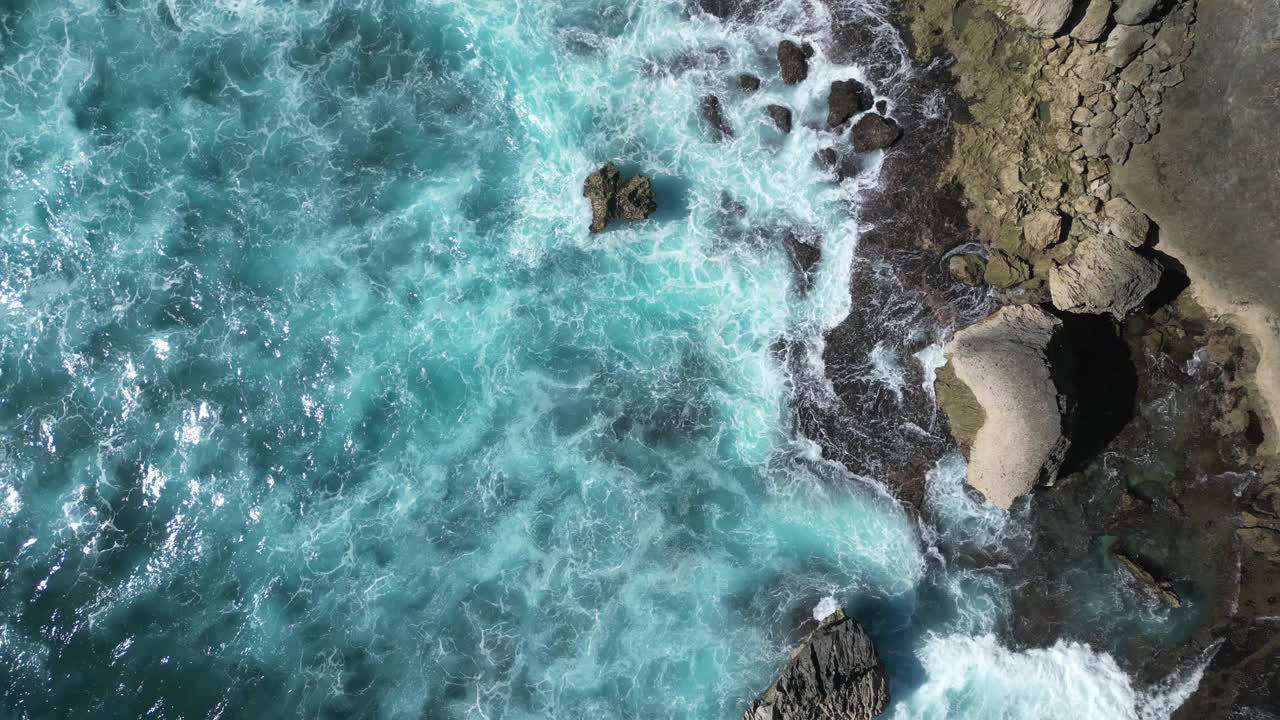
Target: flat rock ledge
834,673
1003,393
614,197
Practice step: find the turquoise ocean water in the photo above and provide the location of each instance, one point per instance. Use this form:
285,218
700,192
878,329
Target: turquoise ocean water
318,400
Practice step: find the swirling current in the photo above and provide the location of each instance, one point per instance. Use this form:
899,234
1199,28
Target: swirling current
318,400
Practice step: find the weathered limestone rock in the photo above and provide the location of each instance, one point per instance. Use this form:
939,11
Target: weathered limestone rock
614,197
834,673
1042,229
968,269
793,62
847,98
874,132
1103,276
1135,12
1127,222
1043,18
1123,45
1005,270
1093,25
781,117
1011,363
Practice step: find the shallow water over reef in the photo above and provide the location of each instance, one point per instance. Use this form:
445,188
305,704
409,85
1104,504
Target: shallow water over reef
318,400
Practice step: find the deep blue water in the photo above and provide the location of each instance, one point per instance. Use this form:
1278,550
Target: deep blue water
318,399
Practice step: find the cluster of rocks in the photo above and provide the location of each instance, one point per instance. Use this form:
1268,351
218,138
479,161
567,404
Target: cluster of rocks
834,673
615,197
1060,91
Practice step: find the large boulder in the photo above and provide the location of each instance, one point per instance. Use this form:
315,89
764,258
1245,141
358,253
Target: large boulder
1103,276
1043,18
846,99
874,132
1005,394
1093,25
793,62
781,117
614,197
834,673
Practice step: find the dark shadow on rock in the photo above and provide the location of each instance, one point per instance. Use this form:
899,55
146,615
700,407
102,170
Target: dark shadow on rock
1173,281
1105,386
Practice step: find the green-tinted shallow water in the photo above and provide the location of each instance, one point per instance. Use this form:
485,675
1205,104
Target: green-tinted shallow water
319,401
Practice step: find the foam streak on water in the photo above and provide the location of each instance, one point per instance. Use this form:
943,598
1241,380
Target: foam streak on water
317,400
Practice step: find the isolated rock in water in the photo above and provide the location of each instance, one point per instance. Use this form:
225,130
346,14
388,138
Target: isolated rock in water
968,269
1094,23
874,132
1044,18
792,61
781,117
1155,588
847,98
1042,229
835,674
1011,364
748,82
1104,275
714,115
1135,12
615,197
1127,222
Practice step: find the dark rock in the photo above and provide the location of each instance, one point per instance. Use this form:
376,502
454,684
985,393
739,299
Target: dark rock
847,98
793,62
748,82
1155,588
781,117
805,252
874,132
808,49
614,197
882,107
827,158
714,115
834,673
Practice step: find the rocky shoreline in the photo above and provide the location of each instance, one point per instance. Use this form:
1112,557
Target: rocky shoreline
1168,483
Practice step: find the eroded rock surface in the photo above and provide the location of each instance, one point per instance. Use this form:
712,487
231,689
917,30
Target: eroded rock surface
834,674
1044,18
1104,276
874,132
1012,365
846,99
614,197
792,62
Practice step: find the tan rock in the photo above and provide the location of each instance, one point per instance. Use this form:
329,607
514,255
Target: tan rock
1042,229
1103,276
1007,364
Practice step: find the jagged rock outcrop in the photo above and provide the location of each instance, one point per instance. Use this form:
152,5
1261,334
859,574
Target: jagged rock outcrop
1043,18
781,117
874,132
614,197
792,62
805,251
835,674
1093,24
713,113
846,99
1153,587
748,82
1103,276
1135,12
1012,366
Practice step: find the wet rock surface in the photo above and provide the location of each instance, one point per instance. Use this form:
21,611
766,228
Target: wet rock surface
874,132
713,114
846,99
834,673
781,117
792,62
614,197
